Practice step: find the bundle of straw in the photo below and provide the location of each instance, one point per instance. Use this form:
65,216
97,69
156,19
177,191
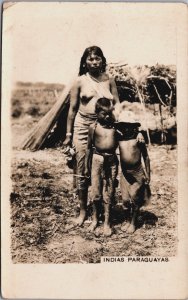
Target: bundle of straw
37,136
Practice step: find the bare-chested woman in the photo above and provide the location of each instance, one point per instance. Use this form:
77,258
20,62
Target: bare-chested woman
91,84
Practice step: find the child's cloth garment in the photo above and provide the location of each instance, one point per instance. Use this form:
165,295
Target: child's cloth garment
103,177
133,186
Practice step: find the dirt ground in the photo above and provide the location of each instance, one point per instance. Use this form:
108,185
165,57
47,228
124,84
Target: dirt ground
43,201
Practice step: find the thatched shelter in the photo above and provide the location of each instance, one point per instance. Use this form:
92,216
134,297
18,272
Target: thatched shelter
153,87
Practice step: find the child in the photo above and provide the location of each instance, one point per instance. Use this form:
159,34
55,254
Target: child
134,181
102,144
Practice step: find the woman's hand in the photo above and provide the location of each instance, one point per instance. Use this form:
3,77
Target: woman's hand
67,141
140,138
147,180
87,173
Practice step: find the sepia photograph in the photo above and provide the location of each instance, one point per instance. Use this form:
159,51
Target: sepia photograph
91,107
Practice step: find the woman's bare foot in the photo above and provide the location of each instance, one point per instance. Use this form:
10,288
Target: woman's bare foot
125,226
92,226
107,230
131,228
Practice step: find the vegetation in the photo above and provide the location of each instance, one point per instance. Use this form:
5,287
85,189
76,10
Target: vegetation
155,89
156,84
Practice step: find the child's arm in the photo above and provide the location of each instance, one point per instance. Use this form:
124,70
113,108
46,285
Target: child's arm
140,137
144,153
89,152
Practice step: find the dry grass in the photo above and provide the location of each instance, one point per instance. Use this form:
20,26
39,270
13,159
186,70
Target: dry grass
42,202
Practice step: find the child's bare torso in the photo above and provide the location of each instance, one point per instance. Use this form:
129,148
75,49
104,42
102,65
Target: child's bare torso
105,139
130,154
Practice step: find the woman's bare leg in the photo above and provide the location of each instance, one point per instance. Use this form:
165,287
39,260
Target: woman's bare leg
82,194
107,215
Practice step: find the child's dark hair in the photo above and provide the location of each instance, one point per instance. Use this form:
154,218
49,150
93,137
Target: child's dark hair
102,103
88,51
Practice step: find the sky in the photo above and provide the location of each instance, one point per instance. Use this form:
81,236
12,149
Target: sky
44,41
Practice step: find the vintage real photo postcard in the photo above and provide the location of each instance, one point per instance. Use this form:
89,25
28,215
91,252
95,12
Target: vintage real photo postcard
94,150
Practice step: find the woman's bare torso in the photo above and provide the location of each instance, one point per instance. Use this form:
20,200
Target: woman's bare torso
91,91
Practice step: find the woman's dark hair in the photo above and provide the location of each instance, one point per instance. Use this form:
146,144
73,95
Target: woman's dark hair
88,51
102,103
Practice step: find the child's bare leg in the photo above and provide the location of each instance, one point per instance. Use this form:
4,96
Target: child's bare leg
82,194
107,215
126,224
95,215
132,227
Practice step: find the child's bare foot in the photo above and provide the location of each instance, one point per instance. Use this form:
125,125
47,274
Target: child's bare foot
131,228
107,230
69,226
80,220
92,226
125,226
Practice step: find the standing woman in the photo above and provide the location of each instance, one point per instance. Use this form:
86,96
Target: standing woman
91,84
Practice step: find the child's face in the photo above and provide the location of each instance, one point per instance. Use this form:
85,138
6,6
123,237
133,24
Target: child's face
126,127
105,116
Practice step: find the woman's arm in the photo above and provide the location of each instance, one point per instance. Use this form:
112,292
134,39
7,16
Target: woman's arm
74,102
113,89
89,152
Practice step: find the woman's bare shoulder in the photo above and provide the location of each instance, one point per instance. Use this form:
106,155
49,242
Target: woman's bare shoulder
111,79
78,81
106,76
81,79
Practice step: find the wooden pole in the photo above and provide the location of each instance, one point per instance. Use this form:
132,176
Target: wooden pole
163,137
144,110
159,95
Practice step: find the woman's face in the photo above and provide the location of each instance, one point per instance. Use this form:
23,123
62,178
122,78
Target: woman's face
94,63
